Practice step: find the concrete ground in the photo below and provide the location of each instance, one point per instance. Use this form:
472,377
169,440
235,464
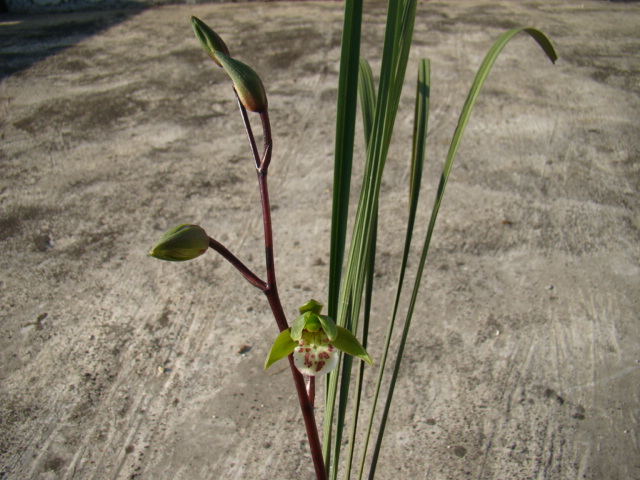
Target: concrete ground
524,361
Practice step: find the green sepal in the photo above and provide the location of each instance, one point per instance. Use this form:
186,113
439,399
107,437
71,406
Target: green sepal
329,326
281,348
184,242
311,306
349,344
210,40
246,82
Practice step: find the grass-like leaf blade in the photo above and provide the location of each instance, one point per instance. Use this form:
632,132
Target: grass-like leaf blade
394,58
474,91
343,159
421,115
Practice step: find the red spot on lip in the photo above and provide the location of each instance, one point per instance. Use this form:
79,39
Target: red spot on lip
319,366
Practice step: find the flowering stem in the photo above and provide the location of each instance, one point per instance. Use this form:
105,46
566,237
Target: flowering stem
247,127
311,388
251,277
306,405
270,288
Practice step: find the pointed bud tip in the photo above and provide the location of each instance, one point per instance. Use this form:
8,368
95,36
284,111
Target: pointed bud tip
210,40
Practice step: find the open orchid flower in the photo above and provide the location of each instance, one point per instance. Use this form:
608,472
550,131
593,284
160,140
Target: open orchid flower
314,341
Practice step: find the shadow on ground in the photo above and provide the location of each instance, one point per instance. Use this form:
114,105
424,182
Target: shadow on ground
23,43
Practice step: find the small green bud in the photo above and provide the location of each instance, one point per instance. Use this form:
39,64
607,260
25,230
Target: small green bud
311,306
246,81
184,242
210,40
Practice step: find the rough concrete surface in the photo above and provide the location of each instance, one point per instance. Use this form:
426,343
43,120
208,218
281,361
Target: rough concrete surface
524,361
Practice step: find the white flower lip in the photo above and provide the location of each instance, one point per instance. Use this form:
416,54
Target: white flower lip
314,355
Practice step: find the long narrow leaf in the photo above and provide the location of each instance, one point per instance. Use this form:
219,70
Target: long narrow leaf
366,93
350,295
395,52
345,133
479,80
477,84
421,116
392,71
365,332
386,109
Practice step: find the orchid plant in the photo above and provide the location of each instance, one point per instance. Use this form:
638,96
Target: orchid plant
314,343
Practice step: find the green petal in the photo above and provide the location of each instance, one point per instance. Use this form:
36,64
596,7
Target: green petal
281,348
349,344
329,326
298,326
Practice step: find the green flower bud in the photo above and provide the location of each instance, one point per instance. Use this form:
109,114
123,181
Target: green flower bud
184,242
311,306
247,83
210,40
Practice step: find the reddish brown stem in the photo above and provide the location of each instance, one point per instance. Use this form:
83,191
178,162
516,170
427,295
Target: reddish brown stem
247,127
271,288
306,405
311,389
266,153
271,292
251,277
